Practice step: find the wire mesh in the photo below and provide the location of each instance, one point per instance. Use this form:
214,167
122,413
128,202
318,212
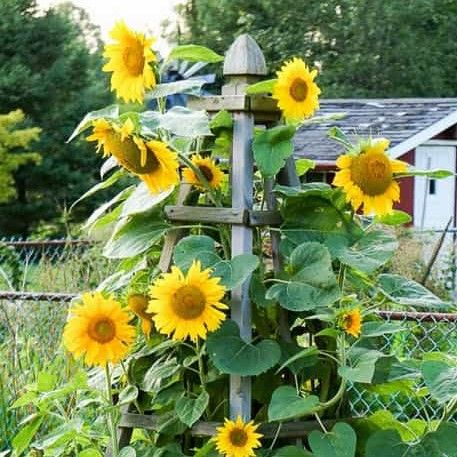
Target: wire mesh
423,333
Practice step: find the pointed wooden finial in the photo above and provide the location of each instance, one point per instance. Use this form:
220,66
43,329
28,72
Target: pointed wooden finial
244,64
244,57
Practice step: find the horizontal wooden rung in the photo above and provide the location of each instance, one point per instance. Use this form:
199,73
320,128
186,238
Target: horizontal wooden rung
230,216
206,429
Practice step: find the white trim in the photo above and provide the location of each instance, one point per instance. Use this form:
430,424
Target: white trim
440,143
423,135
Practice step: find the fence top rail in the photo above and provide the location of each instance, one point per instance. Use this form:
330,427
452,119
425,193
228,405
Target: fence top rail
391,315
45,243
37,296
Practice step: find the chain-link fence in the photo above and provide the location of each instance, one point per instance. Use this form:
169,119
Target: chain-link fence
422,333
49,274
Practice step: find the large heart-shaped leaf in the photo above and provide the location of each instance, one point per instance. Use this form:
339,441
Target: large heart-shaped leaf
183,121
272,147
340,442
231,354
189,410
388,443
441,380
361,365
286,404
369,252
142,200
408,292
312,283
232,272
140,233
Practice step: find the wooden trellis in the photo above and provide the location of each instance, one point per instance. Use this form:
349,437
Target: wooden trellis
244,64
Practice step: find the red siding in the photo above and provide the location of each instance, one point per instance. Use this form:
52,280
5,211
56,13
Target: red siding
407,187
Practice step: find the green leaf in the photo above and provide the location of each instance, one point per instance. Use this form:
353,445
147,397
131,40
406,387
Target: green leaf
22,440
46,381
361,365
128,395
373,328
186,86
194,53
235,272
304,165
433,174
110,112
222,120
335,133
185,122
189,410
262,87
312,283
232,272
340,442
25,399
441,380
139,234
230,354
396,217
195,247
408,292
272,147
388,443
296,358
286,404
370,252
160,369
292,451
100,186
142,200
127,452
92,452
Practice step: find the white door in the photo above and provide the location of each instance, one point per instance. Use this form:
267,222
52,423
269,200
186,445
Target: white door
434,200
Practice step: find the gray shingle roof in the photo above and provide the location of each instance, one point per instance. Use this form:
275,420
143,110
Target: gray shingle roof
395,119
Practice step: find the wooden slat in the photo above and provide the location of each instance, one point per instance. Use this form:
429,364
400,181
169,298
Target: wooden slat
206,214
207,429
256,104
222,215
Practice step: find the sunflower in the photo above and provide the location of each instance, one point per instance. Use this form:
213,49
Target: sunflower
130,59
237,439
209,170
187,306
367,177
295,90
351,322
138,304
98,329
151,161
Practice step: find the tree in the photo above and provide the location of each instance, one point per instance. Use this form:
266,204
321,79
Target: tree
50,68
399,48
14,150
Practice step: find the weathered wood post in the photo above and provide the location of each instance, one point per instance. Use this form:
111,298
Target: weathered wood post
244,64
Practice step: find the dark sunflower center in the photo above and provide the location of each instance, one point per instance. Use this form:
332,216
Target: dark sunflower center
238,437
188,302
206,172
138,304
102,330
298,89
348,321
133,58
372,172
128,155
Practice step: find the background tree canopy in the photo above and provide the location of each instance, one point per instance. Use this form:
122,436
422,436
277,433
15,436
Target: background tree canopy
376,48
50,69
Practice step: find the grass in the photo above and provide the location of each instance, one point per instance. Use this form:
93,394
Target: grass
30,332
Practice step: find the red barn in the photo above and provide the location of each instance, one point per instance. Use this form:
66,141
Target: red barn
422,132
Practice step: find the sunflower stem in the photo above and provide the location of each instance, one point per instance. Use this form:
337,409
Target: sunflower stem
110,414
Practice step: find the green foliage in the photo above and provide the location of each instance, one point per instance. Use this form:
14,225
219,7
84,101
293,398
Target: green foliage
14,150
54,82
286,404
336,34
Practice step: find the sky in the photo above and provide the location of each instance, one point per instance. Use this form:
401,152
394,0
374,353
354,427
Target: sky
144,15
